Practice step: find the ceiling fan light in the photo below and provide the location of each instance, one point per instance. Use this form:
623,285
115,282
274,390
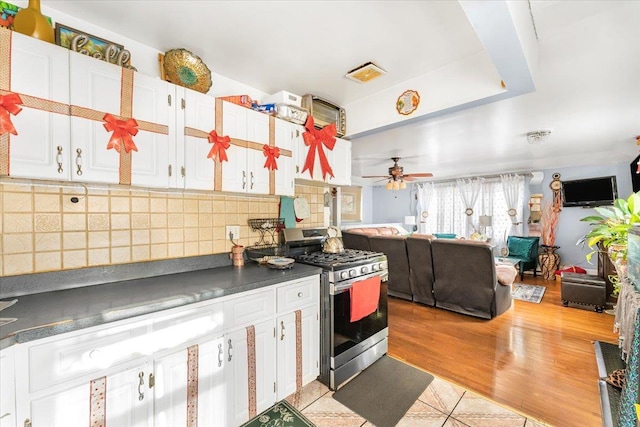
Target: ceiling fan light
403,185
396,185
389,185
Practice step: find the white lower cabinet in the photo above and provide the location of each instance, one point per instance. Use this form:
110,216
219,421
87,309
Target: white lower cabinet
204,362
120,399
238,380
175,377
287,355
7,389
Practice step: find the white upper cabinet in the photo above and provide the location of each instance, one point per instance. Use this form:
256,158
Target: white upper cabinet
244,171
285,137
38,73
100,88
199,120
339,160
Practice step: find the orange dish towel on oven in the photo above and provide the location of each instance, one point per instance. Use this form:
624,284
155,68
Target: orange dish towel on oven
365,296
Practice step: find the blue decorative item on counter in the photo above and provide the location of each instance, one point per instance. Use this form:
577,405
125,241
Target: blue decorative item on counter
264,108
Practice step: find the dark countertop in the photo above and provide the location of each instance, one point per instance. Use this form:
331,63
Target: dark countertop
46,314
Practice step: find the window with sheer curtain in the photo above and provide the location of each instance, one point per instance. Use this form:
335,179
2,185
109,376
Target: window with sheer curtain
446,211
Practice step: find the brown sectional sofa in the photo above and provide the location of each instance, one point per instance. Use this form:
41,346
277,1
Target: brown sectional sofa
457,275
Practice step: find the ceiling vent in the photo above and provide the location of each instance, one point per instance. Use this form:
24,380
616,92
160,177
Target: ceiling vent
365,73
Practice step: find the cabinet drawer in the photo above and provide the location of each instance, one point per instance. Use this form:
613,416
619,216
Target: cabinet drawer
250,308
174,329
298,294
84,353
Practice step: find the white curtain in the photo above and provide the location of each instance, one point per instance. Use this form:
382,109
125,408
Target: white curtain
425,193
513,189
469,191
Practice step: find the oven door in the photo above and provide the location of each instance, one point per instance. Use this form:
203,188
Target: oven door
349,339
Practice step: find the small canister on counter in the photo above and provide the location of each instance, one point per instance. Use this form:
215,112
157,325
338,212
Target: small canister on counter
237,255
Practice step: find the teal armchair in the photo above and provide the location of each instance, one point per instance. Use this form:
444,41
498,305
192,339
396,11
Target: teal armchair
526,250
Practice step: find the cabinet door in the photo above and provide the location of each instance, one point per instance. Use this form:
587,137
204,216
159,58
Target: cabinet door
237,371
257,133
340,161
40,70
284,138
175,382
234,125
7,389
287,351
127,403
97,87
236,377
200,114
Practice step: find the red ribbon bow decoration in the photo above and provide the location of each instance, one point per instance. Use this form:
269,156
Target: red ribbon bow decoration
271,153
122,130
220,145
9,105
315,139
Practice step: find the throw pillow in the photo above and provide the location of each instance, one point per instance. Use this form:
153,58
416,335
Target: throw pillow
616,378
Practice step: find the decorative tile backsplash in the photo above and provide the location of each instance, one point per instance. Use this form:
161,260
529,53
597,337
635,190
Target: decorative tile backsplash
43,230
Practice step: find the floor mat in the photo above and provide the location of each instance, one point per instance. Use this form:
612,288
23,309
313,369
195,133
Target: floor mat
281,414
384,391
529,293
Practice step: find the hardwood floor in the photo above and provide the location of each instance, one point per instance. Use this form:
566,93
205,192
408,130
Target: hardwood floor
537,359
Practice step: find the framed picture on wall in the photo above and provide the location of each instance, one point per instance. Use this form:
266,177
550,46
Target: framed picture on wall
351,201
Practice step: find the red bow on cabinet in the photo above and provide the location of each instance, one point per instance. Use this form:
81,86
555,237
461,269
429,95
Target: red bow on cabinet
9,105
123,130
271,153
220,145
315,139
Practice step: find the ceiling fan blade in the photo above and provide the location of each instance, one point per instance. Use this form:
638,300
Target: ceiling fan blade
408,178
375,176
420,175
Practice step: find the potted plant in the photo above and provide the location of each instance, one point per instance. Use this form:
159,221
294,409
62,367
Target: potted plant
611,227
610,231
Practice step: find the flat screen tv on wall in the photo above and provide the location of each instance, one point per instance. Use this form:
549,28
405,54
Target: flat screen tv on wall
590,192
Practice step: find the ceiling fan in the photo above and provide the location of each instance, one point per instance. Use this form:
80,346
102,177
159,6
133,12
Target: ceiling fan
397,175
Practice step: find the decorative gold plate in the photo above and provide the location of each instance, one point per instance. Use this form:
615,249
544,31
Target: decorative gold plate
183,68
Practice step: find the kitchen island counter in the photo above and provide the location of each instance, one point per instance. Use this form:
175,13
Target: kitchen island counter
46,314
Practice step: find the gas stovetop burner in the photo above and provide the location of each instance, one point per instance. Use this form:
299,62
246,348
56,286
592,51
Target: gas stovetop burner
348,257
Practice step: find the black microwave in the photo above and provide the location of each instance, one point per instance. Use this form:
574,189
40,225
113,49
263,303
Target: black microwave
325,112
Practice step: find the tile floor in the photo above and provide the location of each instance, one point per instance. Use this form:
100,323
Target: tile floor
442,404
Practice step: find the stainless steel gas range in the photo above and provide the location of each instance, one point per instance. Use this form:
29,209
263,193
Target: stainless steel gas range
346,347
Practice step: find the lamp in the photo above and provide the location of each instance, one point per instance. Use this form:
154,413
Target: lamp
410,220
538,136
485,221
396,184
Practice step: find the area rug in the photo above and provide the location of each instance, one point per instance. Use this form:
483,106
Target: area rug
384,392
528,293
282,414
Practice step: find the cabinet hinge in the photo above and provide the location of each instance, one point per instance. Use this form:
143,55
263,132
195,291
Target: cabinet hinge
169,100
152,380
297,169
274,387
183,104
27,423
170,170
274,332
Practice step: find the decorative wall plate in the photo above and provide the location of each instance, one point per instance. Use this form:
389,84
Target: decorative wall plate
408,102
183,68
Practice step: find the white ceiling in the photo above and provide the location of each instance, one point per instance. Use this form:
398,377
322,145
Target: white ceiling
587,90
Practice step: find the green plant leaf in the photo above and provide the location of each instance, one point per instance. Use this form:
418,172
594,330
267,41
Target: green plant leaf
592,218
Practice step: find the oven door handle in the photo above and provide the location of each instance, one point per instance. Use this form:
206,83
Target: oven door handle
346,285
